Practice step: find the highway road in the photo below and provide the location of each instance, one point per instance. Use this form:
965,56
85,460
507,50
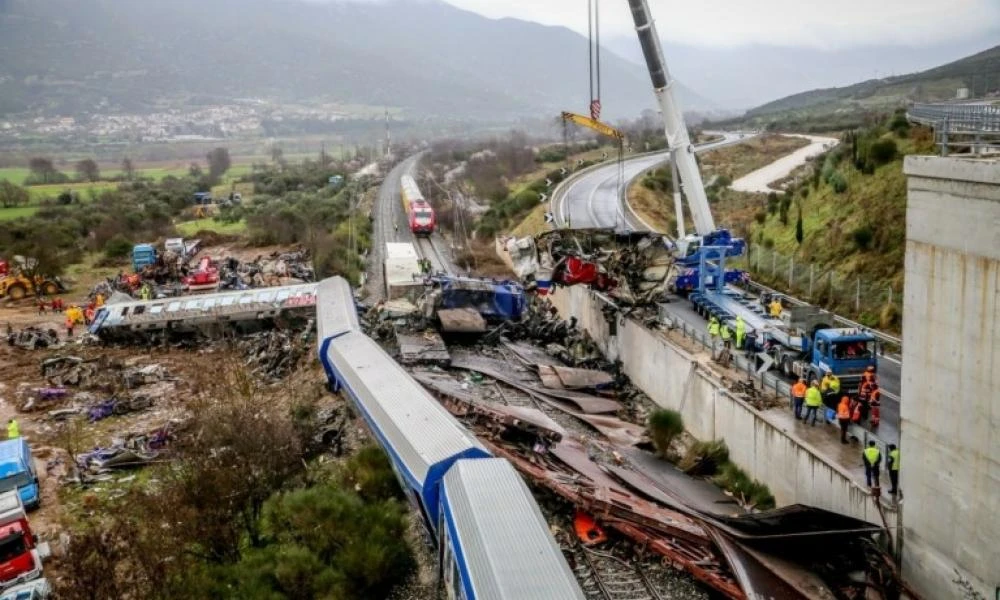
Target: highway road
593,200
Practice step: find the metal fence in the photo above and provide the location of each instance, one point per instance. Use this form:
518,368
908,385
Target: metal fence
974,127
824,287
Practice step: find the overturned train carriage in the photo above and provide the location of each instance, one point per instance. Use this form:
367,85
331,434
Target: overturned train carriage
242,311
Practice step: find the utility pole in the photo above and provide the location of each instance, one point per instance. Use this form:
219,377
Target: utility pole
388,138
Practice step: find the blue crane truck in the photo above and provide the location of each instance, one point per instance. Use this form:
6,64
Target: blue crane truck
801,342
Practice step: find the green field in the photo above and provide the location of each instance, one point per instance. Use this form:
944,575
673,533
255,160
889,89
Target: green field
38,192
19,174
190,228
9,214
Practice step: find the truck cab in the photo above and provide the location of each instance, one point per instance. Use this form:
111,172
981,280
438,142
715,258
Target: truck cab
17,472
20,554
142,255
844,352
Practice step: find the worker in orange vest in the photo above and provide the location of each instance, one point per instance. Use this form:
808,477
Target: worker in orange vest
799,396
875,402
844,417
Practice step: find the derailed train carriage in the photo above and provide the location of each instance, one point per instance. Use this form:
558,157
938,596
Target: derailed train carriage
492,540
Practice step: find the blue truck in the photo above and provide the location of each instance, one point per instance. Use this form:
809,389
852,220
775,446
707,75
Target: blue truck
143,255
17,472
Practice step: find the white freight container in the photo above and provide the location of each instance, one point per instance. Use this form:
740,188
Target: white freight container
402,270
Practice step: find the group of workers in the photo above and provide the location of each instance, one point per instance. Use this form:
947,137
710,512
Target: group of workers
75,315
721,330
866,404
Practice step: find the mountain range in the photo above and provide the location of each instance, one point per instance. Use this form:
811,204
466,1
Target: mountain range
73,57
746,76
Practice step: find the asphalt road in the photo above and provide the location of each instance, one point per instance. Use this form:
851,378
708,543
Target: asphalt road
593,199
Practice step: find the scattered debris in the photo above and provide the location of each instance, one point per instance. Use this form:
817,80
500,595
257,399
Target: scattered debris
33,338
135,450
273,355
426,347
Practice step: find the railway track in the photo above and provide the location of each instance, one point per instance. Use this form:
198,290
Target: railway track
428,248
604,576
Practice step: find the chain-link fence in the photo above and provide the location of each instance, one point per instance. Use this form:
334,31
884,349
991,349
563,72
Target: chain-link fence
873,304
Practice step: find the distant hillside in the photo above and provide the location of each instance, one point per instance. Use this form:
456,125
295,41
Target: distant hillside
979,72
80,56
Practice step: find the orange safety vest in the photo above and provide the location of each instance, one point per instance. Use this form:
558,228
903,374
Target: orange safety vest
856,415
799,390
844,409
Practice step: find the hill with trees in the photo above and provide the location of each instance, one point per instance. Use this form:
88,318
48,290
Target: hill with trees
845,107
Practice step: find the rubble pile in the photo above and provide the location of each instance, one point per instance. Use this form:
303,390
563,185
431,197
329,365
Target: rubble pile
166,277
274,269
33,338
273,355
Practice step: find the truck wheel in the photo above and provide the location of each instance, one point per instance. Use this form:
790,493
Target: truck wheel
17,291
49,288
786,367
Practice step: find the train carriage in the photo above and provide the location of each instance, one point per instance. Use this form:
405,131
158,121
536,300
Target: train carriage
494,543
422,439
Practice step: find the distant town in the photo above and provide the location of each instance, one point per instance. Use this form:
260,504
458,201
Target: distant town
248,118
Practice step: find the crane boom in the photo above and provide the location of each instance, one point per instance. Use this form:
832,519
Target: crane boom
677,135
599,127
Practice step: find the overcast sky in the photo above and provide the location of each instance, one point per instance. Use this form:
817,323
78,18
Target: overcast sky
829,25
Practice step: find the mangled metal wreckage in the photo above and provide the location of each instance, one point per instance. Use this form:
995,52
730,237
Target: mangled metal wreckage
633,268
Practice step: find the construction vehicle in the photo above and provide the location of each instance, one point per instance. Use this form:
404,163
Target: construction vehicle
470,305
801,342
143,255
38,589
20,553
17,287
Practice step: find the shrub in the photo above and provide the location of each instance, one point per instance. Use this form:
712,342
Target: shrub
370,474
664,426
863,237
882,151
838,183
750,491
705,458
773,203
760,217
118,247
768,243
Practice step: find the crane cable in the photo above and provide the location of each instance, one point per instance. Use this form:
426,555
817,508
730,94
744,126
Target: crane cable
594,73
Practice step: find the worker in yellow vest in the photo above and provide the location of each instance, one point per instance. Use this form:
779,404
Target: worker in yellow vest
726,334
713,331
741,332
814,400
892,464
775,308
13,429
872,459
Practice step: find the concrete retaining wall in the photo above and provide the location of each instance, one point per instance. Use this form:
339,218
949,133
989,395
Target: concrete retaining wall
674,379
950,448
